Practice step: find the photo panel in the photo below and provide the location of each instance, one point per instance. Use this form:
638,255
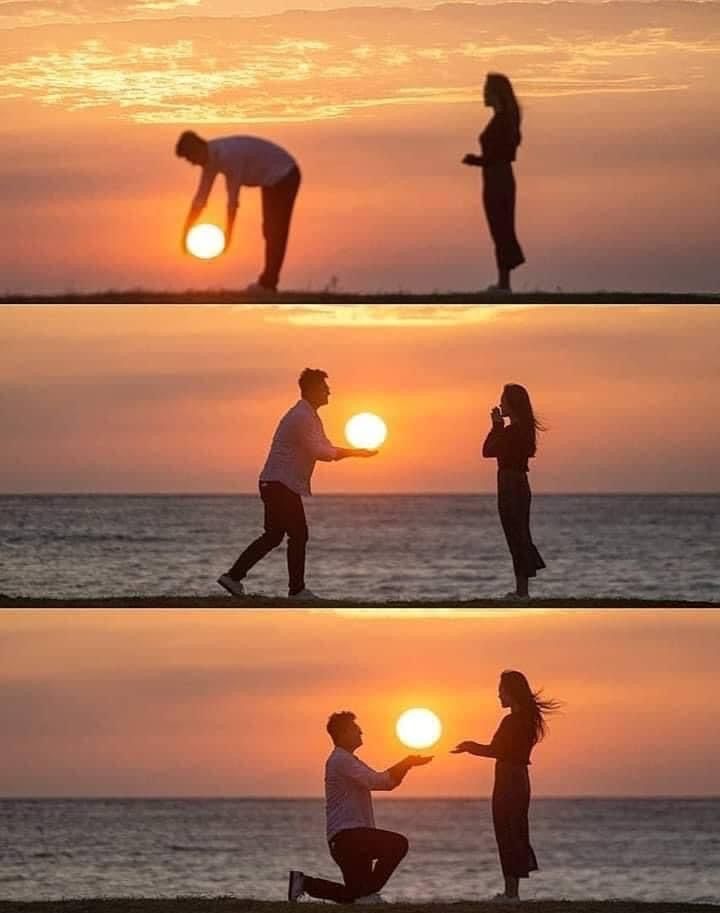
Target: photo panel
176,760
353,152
290,456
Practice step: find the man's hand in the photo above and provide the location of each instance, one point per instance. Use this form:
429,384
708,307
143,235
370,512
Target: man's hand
343,453
471,159
418,760
464,747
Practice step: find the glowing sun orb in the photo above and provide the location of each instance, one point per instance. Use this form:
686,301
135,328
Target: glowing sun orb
366,430
205,241
418,728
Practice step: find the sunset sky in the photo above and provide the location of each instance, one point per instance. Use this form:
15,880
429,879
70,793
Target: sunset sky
153,399
233,704
617,173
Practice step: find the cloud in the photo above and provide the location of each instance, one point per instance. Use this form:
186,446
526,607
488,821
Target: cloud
302,67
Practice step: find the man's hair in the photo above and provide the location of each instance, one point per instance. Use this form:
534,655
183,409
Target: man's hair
337,722
188,141
310,377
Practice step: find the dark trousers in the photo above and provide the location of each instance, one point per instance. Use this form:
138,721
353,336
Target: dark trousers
367,857
277,207
499,203
510,806
284,515
514,499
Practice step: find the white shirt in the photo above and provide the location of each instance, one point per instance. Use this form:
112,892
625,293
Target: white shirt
298,442
348,782
245,161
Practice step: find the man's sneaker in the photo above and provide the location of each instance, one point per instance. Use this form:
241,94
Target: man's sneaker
256,290
234,587
370,898
498,291
296,885
519,600
305,595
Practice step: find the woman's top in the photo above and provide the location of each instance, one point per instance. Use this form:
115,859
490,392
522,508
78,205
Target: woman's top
514,739
499,140
510,445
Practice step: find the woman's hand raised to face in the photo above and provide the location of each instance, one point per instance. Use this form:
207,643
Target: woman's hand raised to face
496,415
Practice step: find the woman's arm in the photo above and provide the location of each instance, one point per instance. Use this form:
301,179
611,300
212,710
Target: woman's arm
494,441
474,748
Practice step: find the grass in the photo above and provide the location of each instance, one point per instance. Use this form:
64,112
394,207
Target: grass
268,602
230,296
241,905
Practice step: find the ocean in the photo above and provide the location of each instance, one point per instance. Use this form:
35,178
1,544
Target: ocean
375,548
639,849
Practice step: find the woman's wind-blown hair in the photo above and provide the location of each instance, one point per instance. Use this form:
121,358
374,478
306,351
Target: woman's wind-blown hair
538,707
500,85
518,400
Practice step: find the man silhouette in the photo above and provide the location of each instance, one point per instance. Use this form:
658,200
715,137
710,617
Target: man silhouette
298,443
366,855
250,162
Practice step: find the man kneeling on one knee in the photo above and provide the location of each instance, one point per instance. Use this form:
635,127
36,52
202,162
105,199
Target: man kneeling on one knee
366,855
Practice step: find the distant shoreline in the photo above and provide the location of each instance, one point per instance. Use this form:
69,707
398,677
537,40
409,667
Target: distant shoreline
234,296
241,905
275,602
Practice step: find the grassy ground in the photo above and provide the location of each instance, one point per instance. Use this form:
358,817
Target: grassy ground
233,905
260,602
230,296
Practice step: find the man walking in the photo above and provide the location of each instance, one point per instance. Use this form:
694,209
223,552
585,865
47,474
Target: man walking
367,856
251,162
297,444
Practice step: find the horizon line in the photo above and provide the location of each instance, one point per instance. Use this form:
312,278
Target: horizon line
354,494
321,798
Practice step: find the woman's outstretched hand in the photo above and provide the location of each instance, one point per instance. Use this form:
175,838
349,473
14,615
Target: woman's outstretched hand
465,747
471,159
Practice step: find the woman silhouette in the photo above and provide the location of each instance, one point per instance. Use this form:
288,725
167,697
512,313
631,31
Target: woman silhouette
511,745
498,143
512,445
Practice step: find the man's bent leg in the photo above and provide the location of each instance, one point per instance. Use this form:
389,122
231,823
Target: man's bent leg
388,849
275,528
297,533
349,851
277,204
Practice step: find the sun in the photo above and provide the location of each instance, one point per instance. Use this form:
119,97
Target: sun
205,241
366,430
418,728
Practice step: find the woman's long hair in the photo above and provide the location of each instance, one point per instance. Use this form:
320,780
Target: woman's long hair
500,85
529,701
518,400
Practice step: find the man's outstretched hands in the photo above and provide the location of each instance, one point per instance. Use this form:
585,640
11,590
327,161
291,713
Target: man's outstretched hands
418,760
471,159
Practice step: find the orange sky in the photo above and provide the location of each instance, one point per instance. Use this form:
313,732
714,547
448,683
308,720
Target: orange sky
617,174
225,704
187,399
